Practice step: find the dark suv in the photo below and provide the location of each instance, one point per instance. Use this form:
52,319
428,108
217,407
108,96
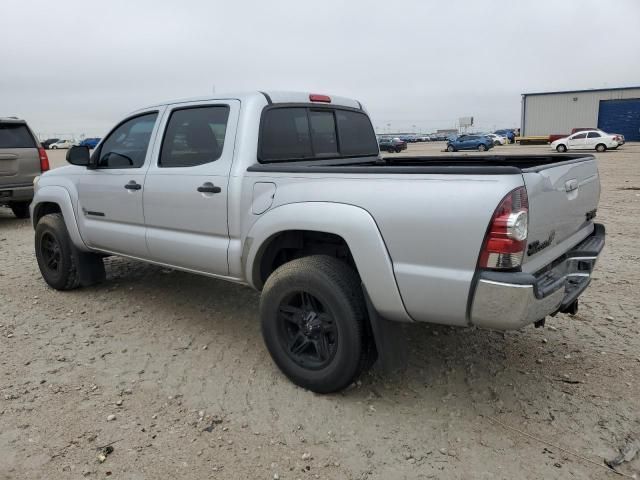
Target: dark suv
22,159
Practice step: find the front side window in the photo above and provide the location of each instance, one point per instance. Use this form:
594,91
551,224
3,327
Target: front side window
593,135
579,136
194,136
126,146
303,133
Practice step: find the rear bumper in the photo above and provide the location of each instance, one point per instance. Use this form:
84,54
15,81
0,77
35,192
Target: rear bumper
15,193
510,300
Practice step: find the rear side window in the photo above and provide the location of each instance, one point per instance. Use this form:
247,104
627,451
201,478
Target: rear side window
15,135
194,136
302,133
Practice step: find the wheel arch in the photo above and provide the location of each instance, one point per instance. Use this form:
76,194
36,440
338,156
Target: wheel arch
347,230
56,199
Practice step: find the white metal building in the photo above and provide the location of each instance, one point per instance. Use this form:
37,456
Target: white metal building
614,110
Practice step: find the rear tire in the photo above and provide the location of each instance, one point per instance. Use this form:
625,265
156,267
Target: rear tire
20,209
54,252
561,148
482,147
313,318
601,147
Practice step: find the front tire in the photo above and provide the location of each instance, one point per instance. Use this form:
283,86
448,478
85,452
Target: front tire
313,318
601,147
54,148
450,148
54,252
561,148
20,209
482,147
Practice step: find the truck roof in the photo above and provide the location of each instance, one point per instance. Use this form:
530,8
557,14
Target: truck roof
12,120
271,96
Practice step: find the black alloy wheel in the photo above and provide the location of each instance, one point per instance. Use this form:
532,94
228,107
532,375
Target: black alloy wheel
308,331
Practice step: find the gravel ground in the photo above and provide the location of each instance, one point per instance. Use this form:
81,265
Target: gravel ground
171,370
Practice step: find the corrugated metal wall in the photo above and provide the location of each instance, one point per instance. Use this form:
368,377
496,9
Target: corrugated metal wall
621,116
544,114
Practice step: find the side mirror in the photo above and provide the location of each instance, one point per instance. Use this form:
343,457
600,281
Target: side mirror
78,155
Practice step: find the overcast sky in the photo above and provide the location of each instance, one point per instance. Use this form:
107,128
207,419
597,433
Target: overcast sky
77,66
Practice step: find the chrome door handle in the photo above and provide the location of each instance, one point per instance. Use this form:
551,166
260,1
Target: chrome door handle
132,185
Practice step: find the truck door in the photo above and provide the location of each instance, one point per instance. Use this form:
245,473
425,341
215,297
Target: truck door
110,194
577,141
185,197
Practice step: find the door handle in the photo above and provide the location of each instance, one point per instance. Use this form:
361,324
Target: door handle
209,187
132,185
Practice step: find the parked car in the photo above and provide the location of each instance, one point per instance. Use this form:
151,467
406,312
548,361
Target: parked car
392,145
589,140
21,160
45,144
61,144
497,139
620,137
469,142
340,243
507,133
556,136
89,142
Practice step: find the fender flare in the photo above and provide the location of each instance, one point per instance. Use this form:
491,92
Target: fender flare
60,196
355,225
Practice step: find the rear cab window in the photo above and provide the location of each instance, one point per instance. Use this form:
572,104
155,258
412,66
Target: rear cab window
310,132
16,135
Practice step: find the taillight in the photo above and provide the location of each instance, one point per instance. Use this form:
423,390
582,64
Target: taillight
314,97
44,160
506,237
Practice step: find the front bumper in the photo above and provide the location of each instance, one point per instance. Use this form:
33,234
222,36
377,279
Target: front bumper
510,300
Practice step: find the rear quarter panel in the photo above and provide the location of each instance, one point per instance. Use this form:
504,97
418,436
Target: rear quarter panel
432,225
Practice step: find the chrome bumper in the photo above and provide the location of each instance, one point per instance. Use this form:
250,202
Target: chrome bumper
510,300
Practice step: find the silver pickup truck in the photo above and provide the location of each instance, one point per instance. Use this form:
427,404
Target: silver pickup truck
288,193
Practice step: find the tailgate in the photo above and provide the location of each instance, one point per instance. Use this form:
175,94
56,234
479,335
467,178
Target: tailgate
21,165
563,198
19,158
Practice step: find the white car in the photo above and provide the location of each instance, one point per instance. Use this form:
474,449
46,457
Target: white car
62,144
586,140
497,139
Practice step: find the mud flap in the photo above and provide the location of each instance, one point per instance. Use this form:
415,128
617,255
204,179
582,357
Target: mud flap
90,268
391,343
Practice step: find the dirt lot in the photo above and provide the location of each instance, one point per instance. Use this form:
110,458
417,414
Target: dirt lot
179,361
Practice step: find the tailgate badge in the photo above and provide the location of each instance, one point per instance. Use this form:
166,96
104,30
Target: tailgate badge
535,247
571,185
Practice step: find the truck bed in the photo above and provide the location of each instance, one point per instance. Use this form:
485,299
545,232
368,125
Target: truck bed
436,164
433,212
